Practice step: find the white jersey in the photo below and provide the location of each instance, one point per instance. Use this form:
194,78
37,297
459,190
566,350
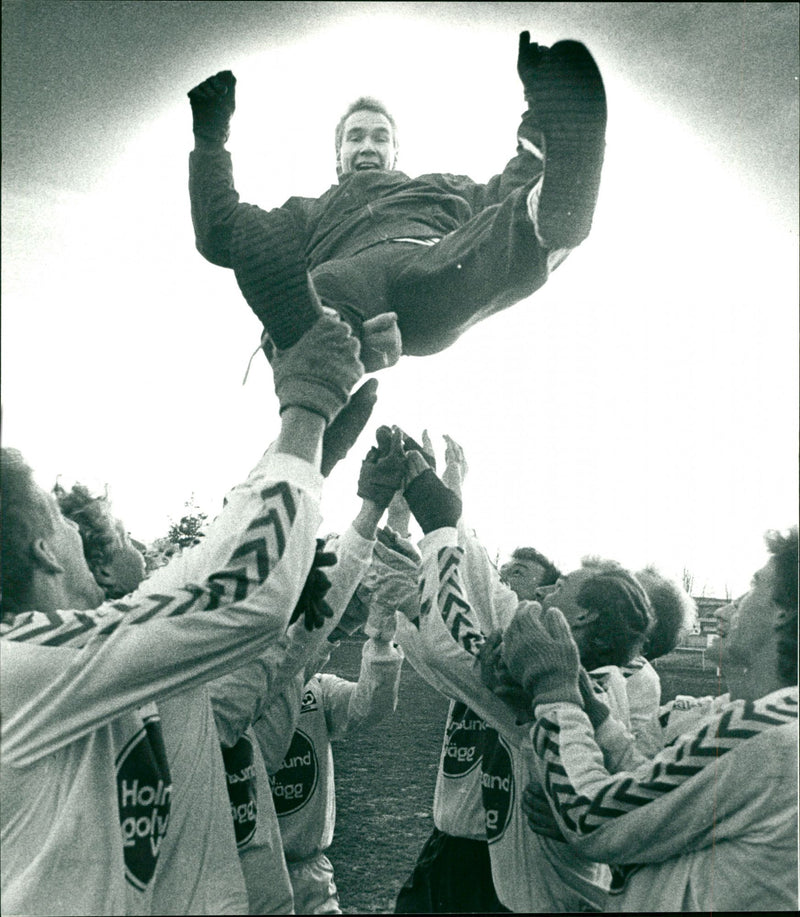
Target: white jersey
457,802
331,709
709,824
273,682
643,688
530,873
82,753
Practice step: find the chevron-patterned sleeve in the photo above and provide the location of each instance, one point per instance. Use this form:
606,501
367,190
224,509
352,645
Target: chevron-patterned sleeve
701,790
159,641
241,697
442,591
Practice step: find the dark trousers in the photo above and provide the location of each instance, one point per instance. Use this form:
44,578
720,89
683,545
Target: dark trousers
453,875
489,263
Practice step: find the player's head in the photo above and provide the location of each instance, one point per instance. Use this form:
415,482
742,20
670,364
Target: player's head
674,609
607,610
758,631
116,563
366,137
43,567
527,571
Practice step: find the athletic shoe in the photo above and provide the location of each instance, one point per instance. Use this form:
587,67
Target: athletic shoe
564,89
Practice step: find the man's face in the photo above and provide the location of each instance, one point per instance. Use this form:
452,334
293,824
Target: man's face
367,143
748,624
67,546
523,577
564,596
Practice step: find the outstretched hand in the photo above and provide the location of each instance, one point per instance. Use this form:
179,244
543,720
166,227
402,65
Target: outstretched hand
383,469
213,102
541,654
455,465
381,344
348,425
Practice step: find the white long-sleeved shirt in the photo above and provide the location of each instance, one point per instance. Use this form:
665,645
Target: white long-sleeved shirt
531,873
709,824
242,703
643,687
332,708
73,741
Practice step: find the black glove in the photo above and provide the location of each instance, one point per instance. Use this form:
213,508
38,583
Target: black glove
383,470
530,61
434,506
411,445
540,816
213,102
312,604
347,426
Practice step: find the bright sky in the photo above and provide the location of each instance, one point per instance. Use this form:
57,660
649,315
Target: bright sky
642,406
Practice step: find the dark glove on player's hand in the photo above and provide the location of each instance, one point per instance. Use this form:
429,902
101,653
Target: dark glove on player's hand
346,427
434,506
213,102
311,604
539,814
411,445
383,470
529,60
541,654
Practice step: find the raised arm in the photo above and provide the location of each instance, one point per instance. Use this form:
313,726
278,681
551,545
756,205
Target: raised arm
170,636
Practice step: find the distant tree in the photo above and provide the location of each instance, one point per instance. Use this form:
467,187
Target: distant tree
189,530
688,581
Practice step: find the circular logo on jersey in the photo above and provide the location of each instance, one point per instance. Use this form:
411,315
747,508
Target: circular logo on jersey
295,781
144,793
497,784
463,742
240,772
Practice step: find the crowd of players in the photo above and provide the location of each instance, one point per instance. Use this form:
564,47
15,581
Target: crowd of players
167,740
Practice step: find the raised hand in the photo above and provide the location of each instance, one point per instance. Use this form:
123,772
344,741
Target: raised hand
319,371
455,465
383,469
541,654
213,102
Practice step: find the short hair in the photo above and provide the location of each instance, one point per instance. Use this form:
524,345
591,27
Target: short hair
550,574
624,613
784,551
364,103
97,525
25,515
674,609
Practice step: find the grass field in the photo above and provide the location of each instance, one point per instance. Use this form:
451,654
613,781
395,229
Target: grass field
385,780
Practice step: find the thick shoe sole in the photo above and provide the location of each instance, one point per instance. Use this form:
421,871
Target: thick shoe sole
569,102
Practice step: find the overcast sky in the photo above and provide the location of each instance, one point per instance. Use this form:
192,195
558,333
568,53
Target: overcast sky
643,405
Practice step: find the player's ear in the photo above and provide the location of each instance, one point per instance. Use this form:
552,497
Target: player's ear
44,557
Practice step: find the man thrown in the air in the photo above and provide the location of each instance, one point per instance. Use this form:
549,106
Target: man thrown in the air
438,252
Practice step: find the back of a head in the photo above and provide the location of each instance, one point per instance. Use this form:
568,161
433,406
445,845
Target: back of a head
624,614
784,551
674,609
94,519
550,573
25,516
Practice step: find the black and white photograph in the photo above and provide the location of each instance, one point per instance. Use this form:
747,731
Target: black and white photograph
399,457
